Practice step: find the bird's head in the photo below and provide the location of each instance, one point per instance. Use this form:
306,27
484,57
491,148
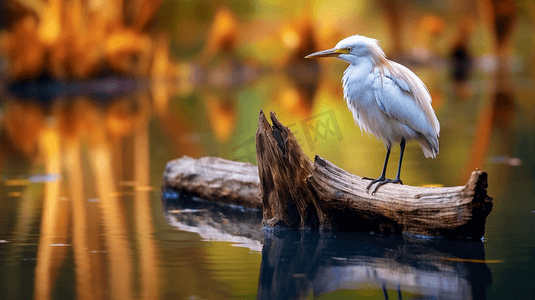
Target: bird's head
353,48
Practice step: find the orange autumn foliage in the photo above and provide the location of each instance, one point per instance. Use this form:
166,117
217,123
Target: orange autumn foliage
81,39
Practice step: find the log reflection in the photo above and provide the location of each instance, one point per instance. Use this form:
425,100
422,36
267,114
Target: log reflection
297,264
214,221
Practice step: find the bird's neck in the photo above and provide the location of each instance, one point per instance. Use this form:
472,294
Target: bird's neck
364,63
359,68
355,77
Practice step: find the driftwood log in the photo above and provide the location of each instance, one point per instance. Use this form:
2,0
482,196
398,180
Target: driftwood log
295,192
215,179
299,193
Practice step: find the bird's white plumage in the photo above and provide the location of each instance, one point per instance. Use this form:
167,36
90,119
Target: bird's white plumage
387,99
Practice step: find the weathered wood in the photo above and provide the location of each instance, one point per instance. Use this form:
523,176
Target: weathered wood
283,169
294,192
215,179
298,193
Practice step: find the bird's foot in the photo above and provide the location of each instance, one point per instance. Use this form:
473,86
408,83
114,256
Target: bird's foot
380,181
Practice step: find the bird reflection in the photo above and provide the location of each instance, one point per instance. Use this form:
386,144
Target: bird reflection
297,264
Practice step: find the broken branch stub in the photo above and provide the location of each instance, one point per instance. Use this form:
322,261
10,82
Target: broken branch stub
283,171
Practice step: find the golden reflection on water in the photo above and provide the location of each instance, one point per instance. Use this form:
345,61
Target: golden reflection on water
52,231
98,159
73,167
79,144
144,223
497,113
115,232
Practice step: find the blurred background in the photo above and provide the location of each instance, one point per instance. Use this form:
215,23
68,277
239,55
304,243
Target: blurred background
97,96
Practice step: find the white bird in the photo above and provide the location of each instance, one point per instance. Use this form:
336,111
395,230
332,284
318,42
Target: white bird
387,99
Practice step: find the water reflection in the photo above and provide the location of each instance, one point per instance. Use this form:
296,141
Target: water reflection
82,145
214,221
498,113
299,265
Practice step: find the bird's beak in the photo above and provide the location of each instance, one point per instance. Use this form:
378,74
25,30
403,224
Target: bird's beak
327,53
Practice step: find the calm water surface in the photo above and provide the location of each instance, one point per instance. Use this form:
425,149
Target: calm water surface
82,216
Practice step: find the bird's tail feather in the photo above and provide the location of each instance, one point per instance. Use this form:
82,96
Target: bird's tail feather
429,145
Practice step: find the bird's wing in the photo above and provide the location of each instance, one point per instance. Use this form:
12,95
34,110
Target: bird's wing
402,84
396,100
408,81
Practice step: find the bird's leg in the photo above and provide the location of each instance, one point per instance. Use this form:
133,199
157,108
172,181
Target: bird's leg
383,174
395,180
385,293
402,146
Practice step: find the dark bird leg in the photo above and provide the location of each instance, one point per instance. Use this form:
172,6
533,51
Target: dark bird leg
384,291
382,179
402,146
383,174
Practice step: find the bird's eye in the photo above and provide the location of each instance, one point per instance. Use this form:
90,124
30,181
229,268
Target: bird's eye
349,49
